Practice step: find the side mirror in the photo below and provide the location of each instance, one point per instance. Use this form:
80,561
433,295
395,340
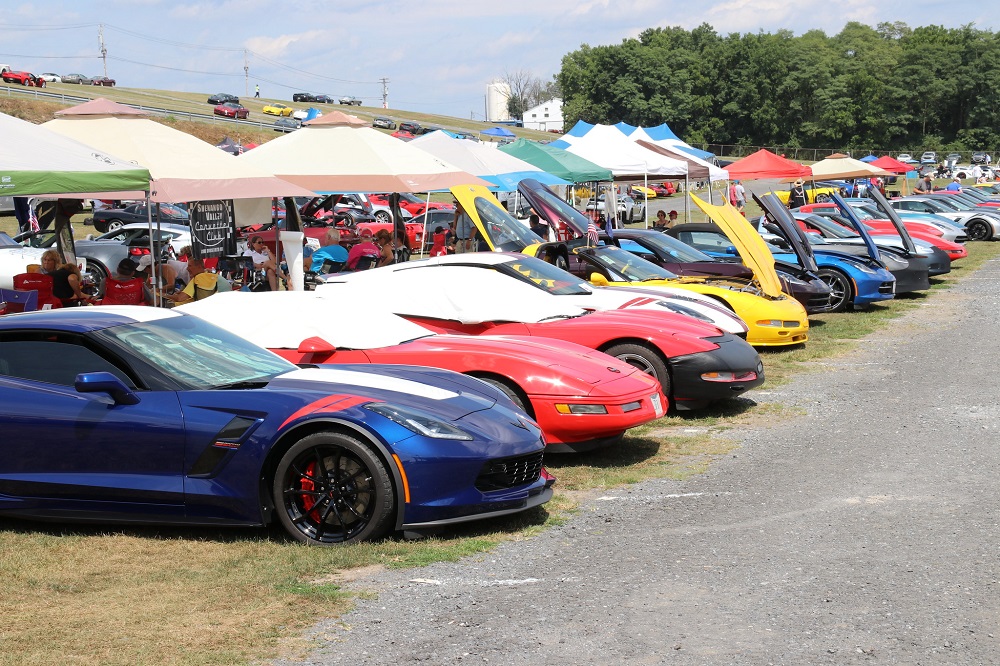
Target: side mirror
315,345
731,250
598,280
105,382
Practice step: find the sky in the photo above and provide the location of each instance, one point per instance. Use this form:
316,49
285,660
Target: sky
438,56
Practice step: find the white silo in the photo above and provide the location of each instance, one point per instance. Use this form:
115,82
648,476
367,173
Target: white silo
497,95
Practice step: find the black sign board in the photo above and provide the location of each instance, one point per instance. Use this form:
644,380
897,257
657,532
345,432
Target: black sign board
213,229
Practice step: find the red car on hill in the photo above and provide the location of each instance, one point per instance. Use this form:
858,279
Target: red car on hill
232,110
24,78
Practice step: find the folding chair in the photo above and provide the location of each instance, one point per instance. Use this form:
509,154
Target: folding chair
13,300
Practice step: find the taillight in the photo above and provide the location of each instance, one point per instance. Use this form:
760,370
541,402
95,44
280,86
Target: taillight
138,251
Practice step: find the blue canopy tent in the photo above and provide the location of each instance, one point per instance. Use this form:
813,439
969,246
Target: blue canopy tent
869,158
501,132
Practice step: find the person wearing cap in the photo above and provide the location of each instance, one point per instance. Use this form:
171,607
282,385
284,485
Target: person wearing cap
797,194
924,186
366,247
955,185
125,275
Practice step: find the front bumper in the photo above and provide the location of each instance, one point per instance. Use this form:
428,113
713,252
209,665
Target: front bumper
734,355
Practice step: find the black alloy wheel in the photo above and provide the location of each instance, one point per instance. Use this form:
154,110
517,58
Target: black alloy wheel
979,229
332,489
841,292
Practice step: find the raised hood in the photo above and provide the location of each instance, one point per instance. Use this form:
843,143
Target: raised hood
776,212
748,243
891,214
568,222
501,231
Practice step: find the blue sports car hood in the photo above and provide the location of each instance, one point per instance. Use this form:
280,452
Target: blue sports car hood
451,394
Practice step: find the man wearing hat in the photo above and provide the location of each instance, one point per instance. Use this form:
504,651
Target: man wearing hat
123,279
366,247
955,185
924,186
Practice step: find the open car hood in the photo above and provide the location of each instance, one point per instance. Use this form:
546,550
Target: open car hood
568,222
848,214
776,213
748,242
891,214
501,231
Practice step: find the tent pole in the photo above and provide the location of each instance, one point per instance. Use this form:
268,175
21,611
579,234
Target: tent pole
152,256
645,194
687,196
427,212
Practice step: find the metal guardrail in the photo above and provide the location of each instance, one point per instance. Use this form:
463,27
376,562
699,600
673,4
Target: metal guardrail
41,94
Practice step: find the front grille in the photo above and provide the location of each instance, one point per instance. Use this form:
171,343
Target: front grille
819,301
885,288
510,472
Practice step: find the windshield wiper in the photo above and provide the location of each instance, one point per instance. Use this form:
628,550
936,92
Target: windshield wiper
241,385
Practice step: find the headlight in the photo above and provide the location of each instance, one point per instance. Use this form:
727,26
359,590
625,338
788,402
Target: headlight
418,422
861,266
581,409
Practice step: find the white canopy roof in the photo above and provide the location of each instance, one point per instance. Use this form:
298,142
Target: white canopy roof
675,147
607,146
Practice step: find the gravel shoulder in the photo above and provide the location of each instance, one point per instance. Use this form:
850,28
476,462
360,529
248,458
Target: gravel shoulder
859,525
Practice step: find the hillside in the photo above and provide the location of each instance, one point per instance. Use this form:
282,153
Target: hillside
38,106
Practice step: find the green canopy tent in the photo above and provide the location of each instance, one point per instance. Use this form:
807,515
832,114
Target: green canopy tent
557,161
37,161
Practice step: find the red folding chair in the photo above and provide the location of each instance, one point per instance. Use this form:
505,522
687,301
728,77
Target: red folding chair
123,292
40,283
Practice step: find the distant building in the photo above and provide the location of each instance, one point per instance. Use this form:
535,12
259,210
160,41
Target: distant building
546,116
497,96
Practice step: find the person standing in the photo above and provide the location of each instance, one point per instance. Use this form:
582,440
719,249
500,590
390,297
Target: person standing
797,194
256,90
741,195
465,230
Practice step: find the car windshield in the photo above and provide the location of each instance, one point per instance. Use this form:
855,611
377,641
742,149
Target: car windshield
626,264
195,354
951,203
545,276
666,246
505,233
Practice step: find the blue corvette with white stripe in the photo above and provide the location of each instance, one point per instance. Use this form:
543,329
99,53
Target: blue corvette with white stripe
141,415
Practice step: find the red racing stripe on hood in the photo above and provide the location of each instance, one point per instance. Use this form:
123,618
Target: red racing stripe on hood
331,403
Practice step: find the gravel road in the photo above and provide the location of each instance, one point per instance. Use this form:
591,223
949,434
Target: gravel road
859,527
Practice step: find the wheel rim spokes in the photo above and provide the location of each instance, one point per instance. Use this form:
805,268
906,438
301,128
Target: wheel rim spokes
329,494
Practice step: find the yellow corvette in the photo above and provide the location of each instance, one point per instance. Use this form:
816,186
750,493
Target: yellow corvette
639,191
815,193
772,317
278,110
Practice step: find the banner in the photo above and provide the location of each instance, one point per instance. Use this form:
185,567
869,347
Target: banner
213,229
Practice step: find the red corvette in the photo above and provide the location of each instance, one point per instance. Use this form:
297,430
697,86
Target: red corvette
24,78
232,110
695,362
581,398
411,202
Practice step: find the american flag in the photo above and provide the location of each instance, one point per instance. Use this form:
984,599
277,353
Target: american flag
591,233
32,218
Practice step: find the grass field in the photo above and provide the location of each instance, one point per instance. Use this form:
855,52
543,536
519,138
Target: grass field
92,595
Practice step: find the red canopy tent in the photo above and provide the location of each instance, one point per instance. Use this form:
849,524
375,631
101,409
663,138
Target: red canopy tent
764,164
892,165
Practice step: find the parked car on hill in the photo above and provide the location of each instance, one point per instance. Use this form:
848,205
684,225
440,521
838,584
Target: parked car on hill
77,78
222,98
383,122
50,77
231,110
905,157
350,100
323,99
303,97
409,126
286,124
979,157
24,78
103,81
276,109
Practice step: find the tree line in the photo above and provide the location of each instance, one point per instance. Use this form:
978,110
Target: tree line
891,87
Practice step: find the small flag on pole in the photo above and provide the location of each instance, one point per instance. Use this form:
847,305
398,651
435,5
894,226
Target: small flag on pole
33,218
591,233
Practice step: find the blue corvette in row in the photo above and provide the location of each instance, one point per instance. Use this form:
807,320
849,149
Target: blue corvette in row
142,415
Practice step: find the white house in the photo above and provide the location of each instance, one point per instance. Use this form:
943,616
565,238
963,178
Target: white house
546,116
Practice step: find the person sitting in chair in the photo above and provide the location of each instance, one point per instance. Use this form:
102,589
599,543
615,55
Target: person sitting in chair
365,248
121,290
201,285
263,260
65,280
330,250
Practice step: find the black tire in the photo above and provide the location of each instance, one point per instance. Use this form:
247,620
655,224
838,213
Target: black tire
646,359
350,500
97,276
842,293
113,224
979,229
511,391
822,198
559,261
383,216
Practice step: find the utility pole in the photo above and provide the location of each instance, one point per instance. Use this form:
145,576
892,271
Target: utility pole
104,50
246,73
385,92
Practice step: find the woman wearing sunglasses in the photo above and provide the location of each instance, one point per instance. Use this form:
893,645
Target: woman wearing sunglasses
263,260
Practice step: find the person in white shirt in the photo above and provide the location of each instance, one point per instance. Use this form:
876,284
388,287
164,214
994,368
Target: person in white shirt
263,260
